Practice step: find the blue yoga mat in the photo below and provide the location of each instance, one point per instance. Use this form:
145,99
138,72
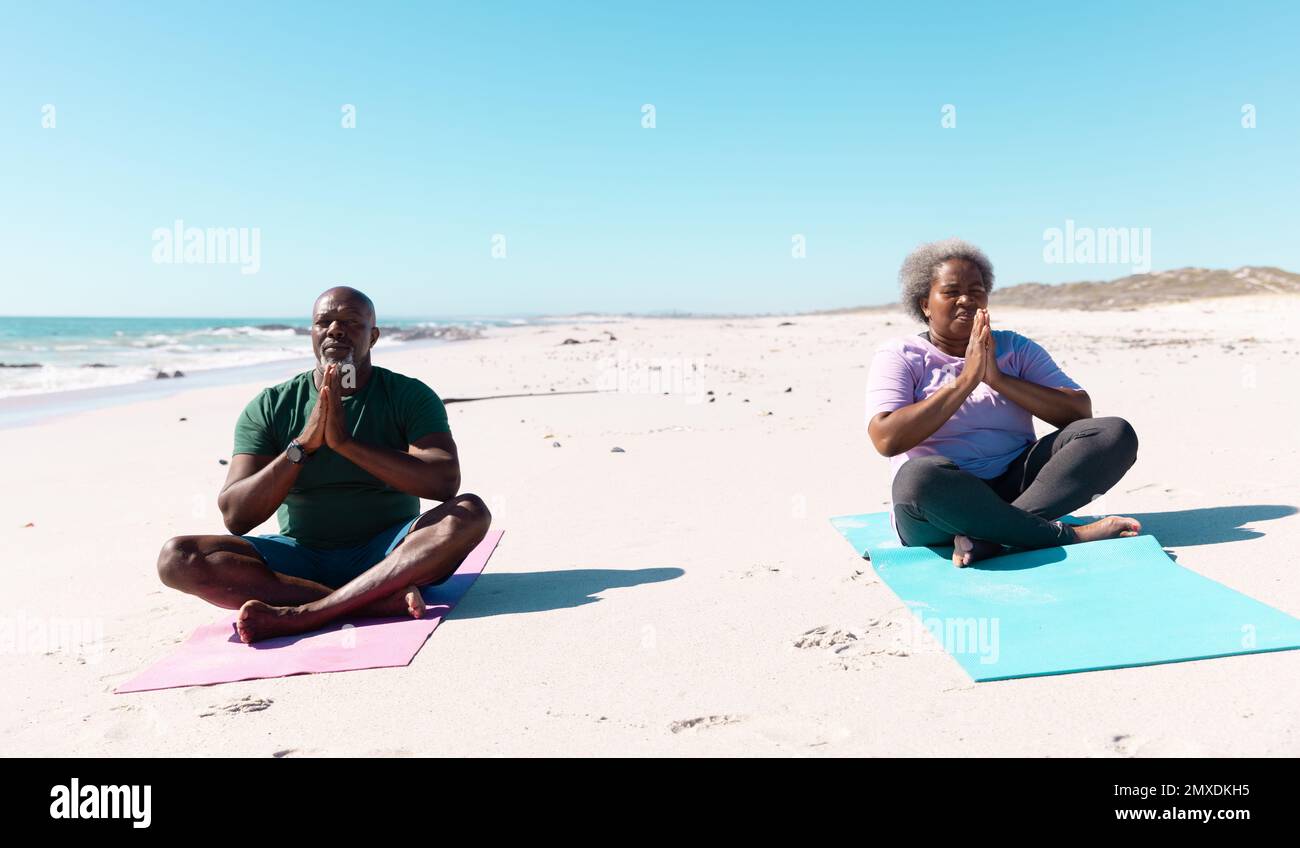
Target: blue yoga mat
1085,607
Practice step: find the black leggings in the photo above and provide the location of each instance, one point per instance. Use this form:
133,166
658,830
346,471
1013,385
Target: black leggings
934,500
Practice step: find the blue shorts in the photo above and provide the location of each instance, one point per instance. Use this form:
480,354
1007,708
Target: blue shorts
331,567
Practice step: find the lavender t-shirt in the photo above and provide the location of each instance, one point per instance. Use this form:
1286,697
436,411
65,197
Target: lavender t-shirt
988,430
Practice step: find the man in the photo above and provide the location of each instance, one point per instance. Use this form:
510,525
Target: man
342,454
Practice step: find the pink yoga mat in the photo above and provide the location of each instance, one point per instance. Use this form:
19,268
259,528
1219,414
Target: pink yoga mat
214,653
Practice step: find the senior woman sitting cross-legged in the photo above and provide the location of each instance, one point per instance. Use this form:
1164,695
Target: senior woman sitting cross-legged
953,407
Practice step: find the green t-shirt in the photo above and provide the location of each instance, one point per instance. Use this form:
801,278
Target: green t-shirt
334,503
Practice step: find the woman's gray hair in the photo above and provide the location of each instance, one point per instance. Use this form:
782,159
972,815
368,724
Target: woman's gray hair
917,273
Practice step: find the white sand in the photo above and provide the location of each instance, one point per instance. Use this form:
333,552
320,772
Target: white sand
649,602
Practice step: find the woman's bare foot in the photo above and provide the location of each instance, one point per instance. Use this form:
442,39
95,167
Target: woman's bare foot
1110,527
966,550
258,620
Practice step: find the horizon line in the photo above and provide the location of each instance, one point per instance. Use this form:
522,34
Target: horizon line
657,313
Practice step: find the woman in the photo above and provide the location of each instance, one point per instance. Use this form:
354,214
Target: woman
953,408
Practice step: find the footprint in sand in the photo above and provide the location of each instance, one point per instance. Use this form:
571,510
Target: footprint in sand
761,570
284,753
246,704
1124,745
704,722
878,636
825,637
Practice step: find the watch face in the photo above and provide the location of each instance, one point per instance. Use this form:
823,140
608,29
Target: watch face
295,453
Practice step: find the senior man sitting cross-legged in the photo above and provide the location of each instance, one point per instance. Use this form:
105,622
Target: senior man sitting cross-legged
343,464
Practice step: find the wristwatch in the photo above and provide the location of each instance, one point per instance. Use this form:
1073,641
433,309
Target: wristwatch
297,453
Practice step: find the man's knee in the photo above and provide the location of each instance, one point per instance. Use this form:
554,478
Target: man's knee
468,515
177,561
473,511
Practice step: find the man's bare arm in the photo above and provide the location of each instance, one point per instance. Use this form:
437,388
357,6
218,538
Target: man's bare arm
429,468
254,490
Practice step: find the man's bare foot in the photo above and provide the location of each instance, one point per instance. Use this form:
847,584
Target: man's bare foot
407,602
966,550
258,620
1110,527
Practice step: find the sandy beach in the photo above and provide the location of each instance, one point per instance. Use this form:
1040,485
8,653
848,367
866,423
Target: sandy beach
686,595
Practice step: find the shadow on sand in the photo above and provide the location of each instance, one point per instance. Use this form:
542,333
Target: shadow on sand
538,591
1180,529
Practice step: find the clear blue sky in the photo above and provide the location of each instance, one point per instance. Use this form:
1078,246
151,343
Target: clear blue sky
771,120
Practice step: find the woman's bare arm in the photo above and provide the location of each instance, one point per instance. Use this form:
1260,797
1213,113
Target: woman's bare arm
1057,407
903,429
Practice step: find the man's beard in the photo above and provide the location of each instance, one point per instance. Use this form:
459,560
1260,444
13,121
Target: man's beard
326,361
347,368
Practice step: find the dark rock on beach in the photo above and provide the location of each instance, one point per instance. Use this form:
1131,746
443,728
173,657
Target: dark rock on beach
402,334
299,331
20,365
447,334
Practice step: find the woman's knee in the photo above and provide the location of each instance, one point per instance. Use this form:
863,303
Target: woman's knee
1119,433
1110,440
917,473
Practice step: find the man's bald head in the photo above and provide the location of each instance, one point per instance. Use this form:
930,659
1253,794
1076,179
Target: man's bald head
346,294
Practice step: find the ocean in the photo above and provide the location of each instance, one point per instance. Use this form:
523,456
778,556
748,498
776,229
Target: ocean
55,354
